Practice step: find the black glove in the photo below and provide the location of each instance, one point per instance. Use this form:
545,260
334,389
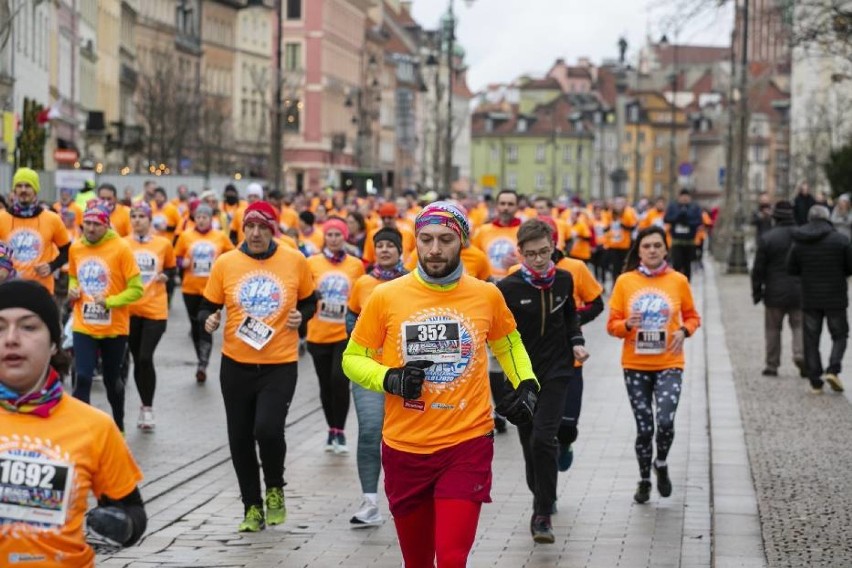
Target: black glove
407,381
108,528
519,405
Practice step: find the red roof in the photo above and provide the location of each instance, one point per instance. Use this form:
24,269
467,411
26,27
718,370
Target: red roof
606,86
546,83
691,54
579,72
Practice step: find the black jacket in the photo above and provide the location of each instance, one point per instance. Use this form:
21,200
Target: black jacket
547,321
801,205
684,221
770,280
762,222
823,258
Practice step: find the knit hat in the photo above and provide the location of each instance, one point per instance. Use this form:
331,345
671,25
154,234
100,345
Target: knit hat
34,297
203,209
387,210
338,224
389,234
444,213
254,189
27,176
263,213
97,212
783,211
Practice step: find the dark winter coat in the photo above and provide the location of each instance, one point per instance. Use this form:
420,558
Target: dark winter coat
770,280
823,258
801,205
684,221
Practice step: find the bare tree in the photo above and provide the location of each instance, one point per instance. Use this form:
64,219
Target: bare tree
822,27
215,137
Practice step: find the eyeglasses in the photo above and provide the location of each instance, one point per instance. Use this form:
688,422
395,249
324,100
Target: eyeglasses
533,254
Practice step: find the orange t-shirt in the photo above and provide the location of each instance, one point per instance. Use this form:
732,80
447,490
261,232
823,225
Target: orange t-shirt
405,316
74,452
102,268
34,241
258,296
152,257
408,245
499,244
618,236
474,261
653,217
199,253
164,217
74,208
288,219
314,242
120,220
232,211
666,304
581,236
333,283
361,291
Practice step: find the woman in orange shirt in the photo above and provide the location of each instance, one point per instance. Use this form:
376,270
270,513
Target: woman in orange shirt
334,272
67,448
652,310
196,251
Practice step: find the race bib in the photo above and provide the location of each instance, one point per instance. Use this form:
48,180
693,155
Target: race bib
432,341
254,332
332,312
34,490
96,314
680,229
650,342
201,267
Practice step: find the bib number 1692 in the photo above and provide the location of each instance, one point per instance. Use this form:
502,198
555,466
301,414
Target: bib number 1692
28,474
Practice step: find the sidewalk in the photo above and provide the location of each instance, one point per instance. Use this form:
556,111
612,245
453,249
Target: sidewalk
194,505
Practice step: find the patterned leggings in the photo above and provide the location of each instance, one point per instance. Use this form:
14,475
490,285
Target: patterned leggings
644,387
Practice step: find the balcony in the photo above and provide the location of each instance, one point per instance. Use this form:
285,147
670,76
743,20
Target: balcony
128,76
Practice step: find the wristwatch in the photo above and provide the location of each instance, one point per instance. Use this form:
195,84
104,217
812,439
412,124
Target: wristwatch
684,330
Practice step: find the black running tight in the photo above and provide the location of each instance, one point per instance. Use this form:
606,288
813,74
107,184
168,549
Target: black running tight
646,389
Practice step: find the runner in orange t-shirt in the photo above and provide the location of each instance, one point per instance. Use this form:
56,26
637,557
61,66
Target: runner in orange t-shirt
431,327
651,308
310,236
334,272
155,258
266,291
38,238
66,203
497,239
103,281
68,449
119,215
196,250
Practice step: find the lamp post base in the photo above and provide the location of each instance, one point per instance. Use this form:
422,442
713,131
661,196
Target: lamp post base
737,263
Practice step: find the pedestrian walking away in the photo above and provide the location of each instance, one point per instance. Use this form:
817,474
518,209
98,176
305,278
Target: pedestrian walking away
823,258
652,310
684,218
155,258
266,291
541,298
437,442
370,405
103,280
780,292
68,449
196,251
334,272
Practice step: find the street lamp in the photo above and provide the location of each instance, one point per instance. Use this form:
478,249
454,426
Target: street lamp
737,263
451,33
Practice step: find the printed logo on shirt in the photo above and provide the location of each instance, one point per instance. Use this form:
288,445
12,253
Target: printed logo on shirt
333,289
260,294
655,307
203,253
498,250
93,275
147,264
310,247
444,375
159,222
26,244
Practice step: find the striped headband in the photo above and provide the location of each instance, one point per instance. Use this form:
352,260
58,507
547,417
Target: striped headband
447,214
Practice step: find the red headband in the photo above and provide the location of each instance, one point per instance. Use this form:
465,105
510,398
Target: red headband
336,224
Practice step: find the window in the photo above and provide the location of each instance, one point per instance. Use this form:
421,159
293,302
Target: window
567,154
757,182
658,164
658,188
641,137
540,154
539,180
512,180
294,9
522,125
292,56
512,153
641,187
580,153
495,153
628,136
566,182
660,140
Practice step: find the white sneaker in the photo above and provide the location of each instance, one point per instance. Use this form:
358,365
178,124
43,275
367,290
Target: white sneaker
146,419
368,515
340,447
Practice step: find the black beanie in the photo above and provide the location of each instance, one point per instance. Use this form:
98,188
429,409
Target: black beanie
389,234
783,211
34,297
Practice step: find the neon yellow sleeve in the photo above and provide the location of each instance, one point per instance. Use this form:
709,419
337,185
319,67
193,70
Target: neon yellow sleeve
513,358
363,369
133,292
72,282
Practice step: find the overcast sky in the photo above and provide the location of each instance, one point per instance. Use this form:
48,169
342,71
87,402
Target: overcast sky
508,38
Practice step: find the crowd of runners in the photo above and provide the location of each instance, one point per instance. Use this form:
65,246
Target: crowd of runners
441,317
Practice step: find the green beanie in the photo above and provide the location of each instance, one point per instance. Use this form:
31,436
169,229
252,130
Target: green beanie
27,176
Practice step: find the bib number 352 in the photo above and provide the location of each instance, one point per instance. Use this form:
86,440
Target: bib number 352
432,341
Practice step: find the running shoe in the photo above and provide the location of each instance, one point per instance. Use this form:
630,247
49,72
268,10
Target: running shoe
340,446
331,441
253,521
664,483
816,386
803,372
767,372
643,491
201,375
146,419
368,515
276,510
834,382
541,529
566,457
